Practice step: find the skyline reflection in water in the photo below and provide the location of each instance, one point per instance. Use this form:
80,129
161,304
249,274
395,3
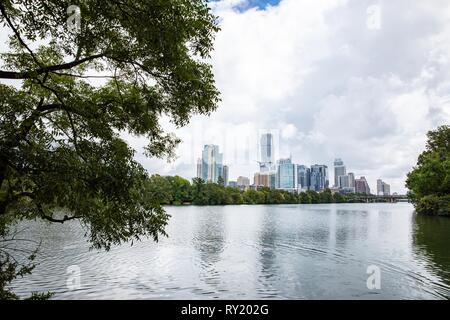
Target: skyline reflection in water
256,252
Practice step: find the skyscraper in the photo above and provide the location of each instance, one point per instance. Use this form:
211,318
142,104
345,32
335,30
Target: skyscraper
383,189
303,177
225,175
286,175
361,186
199,168
379,187
339,170
344,182
386,189
351,180
267,158
319,177
347,183
211,165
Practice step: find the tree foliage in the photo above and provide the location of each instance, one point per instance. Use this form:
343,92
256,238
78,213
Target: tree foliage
76,94
164,191
429,181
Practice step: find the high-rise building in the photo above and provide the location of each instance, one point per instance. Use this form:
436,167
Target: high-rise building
319,177
347,183
225,175
264,179
199,168
351,179
379,187
383,189
344,182
211,165
361,186
303,177
286,175
386,189
272,180
267,157
339,170
243,182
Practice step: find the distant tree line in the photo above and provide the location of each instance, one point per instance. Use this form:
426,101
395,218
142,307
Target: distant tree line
175,190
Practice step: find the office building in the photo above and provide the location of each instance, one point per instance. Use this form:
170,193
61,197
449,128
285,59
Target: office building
361,186
383,189
286,178
199,168
211,165
264,179
319,177
343,182
339,170
243,182
351,180
225,175
267,159
303,178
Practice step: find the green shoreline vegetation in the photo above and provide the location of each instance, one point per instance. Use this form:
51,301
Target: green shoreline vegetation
429,181
175,190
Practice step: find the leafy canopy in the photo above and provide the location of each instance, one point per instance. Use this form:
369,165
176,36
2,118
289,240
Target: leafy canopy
60,135
429,181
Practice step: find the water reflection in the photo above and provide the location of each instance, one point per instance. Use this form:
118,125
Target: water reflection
267,253
252,252
432,240
209,241
209,235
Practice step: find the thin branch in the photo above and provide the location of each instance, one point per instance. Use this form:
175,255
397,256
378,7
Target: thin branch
80,76
51,219
32,73
66,218
16,32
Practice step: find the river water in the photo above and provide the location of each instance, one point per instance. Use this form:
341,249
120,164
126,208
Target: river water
329,251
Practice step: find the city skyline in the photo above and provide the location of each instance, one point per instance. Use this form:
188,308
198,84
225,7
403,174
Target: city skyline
329,83
285,174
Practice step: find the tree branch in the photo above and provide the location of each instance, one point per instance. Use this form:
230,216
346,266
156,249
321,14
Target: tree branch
16,32
64,66
51,219
66,218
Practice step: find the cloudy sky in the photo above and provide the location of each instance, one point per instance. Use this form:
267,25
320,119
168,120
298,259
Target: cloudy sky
353,79
359,80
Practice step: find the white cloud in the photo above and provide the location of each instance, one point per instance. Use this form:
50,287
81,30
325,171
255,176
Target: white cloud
332,87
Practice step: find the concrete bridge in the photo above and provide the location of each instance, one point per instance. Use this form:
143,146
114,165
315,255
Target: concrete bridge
374,198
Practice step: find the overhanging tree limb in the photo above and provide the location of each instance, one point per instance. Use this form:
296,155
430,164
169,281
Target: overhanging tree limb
39,71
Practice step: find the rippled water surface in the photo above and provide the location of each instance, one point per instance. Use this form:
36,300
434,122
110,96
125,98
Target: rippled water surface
252,252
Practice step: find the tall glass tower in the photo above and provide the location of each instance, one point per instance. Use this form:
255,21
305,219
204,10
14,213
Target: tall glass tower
319,177
303,177
267,157
286,175
339,170
211,167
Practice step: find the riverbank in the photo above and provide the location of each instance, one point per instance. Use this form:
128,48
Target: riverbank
168,190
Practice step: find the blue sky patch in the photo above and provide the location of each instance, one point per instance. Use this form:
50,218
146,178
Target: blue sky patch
260,4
